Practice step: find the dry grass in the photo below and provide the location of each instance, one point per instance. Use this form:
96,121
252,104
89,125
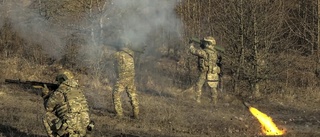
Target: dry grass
166,109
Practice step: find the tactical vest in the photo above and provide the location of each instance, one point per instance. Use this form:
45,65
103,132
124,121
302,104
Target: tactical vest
75,101
208,63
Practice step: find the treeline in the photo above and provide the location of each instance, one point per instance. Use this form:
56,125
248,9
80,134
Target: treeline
267,42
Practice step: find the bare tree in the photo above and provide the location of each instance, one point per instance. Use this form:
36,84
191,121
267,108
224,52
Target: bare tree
251,31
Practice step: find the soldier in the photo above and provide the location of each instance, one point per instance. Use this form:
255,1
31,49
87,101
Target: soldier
207,64
124,60
67,111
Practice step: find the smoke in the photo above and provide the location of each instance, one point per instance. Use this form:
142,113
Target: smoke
2,14
137,22
139,18
32,27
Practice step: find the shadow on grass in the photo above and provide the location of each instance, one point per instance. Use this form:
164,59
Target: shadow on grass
125,135
9,131
156,93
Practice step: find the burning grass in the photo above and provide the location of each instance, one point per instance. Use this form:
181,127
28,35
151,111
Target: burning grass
268,127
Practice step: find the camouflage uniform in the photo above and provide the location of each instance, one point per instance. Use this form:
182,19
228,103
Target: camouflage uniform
125,81
67,111
207,64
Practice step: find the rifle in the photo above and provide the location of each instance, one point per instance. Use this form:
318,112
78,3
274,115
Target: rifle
201,42
35,84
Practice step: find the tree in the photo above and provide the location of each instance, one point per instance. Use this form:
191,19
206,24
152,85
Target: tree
253,33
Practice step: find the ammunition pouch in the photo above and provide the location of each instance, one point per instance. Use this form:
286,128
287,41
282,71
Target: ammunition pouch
212,77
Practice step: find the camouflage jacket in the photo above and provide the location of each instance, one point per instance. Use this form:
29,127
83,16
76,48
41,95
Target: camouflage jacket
68,98
207,59
124,64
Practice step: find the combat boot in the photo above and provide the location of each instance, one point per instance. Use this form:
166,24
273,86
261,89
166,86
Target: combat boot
198,96
214,100
119,114
198,99
135,116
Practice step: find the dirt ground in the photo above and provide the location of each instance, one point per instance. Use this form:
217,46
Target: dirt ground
165,110
172,115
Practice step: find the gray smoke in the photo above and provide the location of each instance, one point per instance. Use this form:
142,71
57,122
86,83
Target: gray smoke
2,14
121,21
139,18
34,28
135,22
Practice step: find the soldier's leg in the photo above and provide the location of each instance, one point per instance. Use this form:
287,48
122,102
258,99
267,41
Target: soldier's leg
214,92
74,126
133,99
199,84
48,122
214,95
47,127
84,123
119,88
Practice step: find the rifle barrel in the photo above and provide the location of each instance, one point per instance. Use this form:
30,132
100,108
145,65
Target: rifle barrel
12,81
51,86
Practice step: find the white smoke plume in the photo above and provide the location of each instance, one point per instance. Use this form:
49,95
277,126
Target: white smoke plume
121,21
29,25
136,22
2,14
139,18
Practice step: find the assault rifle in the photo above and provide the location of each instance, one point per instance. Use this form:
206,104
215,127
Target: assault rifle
35,84
201,42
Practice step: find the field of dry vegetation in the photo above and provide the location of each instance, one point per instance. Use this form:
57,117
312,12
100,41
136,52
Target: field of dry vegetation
272,48
166,110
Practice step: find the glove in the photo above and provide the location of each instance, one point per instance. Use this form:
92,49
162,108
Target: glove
90,126
191,47
45,91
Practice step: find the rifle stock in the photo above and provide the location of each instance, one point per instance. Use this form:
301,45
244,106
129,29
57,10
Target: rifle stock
51,86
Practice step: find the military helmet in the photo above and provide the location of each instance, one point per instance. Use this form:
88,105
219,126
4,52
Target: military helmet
210,39
63,76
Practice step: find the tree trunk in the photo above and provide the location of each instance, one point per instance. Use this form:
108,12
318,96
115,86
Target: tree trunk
241,55
318,46
254,82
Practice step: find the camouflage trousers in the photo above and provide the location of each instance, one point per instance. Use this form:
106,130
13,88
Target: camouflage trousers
49,122
213,88
130,88
74,125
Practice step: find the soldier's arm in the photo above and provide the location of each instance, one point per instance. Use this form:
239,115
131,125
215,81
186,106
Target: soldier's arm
55,99
197,52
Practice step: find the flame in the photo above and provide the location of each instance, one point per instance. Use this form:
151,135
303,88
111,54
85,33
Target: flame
267,125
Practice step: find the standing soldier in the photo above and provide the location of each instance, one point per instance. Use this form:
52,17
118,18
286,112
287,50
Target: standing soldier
125,80
67,111
207,64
